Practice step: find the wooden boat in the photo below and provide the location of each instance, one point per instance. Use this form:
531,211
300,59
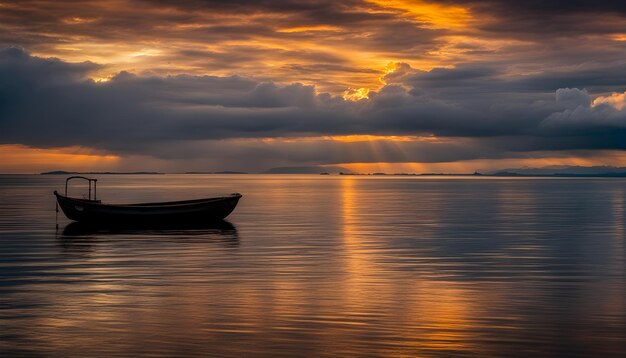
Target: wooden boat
94,211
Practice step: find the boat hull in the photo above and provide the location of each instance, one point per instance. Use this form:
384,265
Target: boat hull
200,210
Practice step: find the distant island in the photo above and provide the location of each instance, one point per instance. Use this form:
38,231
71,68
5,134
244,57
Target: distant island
549,171
563,171
222,172
307,170
414,174
61,172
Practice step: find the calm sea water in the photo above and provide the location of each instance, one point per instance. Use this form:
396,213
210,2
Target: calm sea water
321,266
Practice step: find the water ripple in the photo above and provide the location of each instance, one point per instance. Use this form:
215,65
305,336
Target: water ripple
321,266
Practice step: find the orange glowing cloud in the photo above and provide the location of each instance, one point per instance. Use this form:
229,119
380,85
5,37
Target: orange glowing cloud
619,37
265,41
356,94
608,158
389,138
351,138
22,159
309,28
432,14
615,100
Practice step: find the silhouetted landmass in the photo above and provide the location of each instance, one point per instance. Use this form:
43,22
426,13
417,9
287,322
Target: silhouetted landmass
59,172
447,174
551,171
596,172
99,173
306,170
409,174
606,175
504,174
564,171
593,175
222,172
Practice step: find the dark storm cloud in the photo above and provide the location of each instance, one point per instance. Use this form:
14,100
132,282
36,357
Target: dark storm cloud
293,13
495,78
50,103
607,78
539,18
278,6
544,7
45,107
50,70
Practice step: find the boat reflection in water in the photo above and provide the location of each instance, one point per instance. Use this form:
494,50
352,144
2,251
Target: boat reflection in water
80,237
222,227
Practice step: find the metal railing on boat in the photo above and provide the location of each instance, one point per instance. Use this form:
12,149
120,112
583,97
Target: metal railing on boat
90,180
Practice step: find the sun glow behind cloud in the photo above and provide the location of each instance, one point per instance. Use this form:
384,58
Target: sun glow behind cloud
615,100
309,28
431,14
390,138
607,158
78,20
21,159
356,94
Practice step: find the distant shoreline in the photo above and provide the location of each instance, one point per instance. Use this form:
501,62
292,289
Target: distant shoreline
499,175
60,172
493,175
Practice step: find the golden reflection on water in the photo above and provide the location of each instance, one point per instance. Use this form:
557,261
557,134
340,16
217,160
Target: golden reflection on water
618,246
356,261
442,324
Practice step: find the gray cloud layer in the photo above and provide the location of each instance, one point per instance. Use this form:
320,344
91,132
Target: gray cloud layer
542,19
475,110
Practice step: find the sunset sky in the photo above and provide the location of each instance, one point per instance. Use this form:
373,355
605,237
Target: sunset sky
396,86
